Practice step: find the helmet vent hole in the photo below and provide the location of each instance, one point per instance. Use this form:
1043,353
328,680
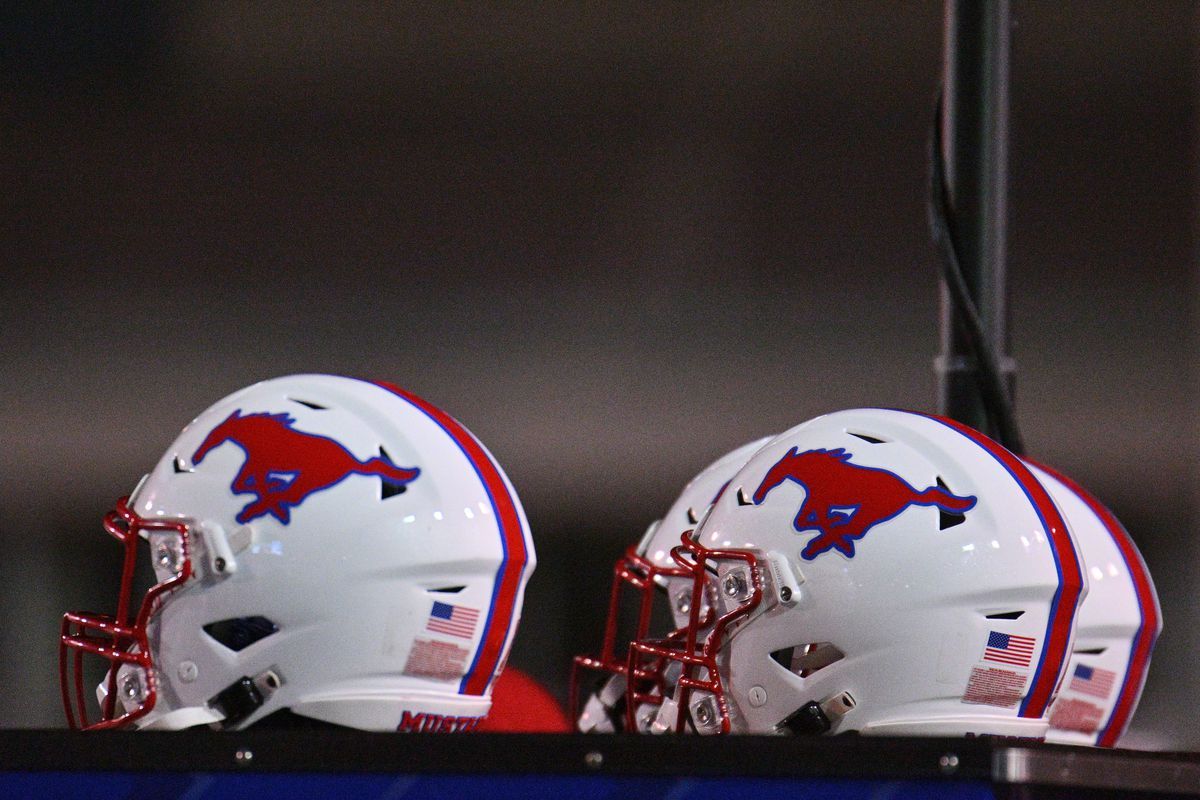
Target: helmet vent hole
742,500
783,657
447,589
1005,615
804,660
691,516
241,632
947,519
386,488
180,466
309,404
1091,651
866,438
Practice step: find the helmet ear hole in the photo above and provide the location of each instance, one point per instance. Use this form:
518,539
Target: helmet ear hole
239,633
804,660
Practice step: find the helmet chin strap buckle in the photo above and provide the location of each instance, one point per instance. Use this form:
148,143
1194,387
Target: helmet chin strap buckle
667,717
243,697
814,719
604,711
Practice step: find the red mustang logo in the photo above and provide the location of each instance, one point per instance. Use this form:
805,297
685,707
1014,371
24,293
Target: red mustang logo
284,466
842,501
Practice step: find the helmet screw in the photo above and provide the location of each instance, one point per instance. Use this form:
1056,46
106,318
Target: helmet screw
131,687
683,602
594,759
758,696
948,764
704,713
188,671
735,584
785,594
166,556
219,563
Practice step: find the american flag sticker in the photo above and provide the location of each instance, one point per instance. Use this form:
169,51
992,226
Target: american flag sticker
1092,680
452,620
1008,648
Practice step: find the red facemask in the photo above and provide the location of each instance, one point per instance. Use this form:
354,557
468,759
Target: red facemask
696,646
117,638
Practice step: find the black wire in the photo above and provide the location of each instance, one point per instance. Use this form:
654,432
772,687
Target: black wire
992,388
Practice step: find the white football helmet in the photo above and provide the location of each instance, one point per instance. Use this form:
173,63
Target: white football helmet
1115,630
649,571
334,547
878,571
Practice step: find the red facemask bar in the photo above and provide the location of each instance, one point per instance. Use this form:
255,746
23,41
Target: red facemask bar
736,575
116,638
636,571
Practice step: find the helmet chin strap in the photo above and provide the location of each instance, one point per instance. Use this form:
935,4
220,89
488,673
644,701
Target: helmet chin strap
182,718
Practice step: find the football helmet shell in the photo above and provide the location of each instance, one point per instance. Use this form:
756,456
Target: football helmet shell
1117,626
337,547
877,570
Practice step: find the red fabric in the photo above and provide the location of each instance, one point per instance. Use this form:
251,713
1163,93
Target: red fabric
522,705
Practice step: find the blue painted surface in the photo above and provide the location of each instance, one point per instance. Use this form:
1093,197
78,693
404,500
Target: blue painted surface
292,786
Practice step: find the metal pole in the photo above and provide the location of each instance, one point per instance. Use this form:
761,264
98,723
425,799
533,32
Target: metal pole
974,135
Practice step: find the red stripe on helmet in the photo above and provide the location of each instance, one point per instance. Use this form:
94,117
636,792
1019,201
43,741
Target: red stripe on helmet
1056,644
1143,640
512,539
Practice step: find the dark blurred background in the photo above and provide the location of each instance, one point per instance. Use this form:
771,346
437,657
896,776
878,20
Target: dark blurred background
616,240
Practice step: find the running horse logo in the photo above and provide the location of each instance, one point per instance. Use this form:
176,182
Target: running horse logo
284,466
843,501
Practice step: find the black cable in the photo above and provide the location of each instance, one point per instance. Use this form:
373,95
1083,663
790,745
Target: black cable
992,387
